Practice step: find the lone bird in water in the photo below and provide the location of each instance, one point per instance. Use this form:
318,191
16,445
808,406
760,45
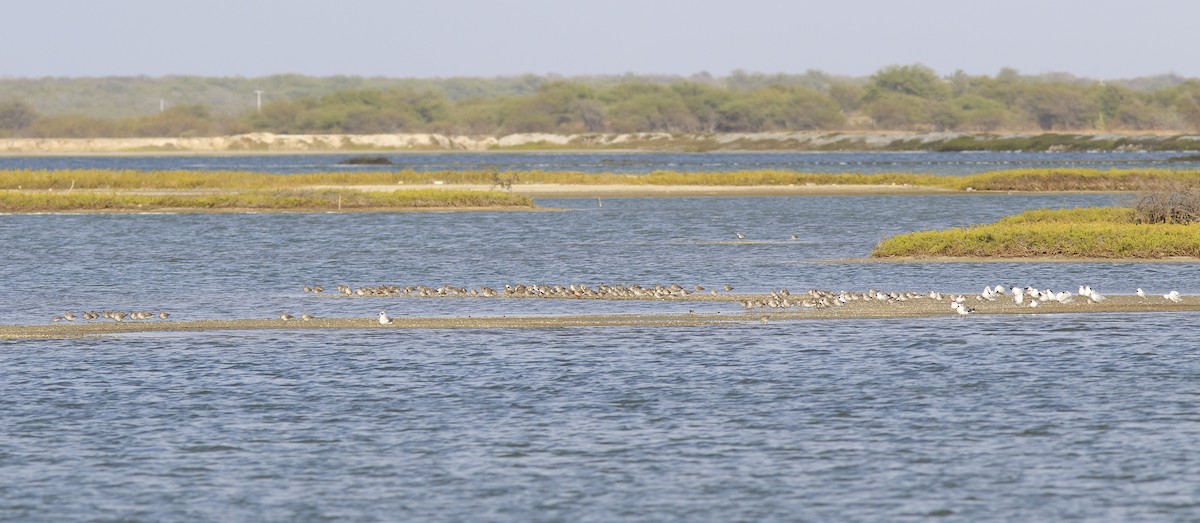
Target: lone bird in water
384,319
795,237
740,236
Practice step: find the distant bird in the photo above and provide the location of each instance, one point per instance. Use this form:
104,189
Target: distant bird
1018,296
1033,303
56,319
961,308
763,320
164,315
1173,296
740,236
728,287
795,237
307,288
307,317
1141,293
384,319
69,317
285,317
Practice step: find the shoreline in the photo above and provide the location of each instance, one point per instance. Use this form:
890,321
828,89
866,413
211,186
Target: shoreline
922,308
262,143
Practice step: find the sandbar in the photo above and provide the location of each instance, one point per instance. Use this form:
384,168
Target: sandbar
919,308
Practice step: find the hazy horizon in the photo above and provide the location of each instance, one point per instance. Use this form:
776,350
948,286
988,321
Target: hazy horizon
1103,40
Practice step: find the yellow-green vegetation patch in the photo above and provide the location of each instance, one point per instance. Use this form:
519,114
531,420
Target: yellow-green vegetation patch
1123,180
293,199
1106,232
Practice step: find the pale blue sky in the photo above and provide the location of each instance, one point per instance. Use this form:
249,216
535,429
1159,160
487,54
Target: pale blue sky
438,38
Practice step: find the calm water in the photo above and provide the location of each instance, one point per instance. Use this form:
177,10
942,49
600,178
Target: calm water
1012,418
637,163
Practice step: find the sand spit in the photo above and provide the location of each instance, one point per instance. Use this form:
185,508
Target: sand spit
267,143
854,310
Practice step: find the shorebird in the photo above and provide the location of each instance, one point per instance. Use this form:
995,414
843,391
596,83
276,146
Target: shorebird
69,317
961,309
795,237
728,287
164,315
1173,296
285,316
1141,293
1018,296
740,236
1033,303
384,319
307,317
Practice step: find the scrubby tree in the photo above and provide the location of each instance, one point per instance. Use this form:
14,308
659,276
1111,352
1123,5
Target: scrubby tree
1056,106
913,80
897,111
16,115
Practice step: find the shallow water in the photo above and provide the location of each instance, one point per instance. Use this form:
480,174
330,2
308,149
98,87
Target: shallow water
624,162
1044,417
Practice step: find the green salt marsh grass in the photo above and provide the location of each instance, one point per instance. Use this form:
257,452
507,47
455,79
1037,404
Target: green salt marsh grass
1034,180
1103,232
274,200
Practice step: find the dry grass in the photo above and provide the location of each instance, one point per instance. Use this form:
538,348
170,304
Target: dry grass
1127,180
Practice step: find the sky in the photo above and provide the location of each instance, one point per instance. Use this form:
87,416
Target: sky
1102,39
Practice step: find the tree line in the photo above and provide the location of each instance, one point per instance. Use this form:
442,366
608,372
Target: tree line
901,97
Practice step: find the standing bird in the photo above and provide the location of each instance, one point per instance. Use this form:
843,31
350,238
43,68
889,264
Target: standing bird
1141,293
307,317
285,316
1173,296
164,315
384,319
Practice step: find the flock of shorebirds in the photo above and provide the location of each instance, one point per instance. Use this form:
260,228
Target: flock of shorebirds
112,315
520,290
780,299
1022,296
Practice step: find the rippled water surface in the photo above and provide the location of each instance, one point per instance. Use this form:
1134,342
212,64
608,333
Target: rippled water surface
624,162
1049,417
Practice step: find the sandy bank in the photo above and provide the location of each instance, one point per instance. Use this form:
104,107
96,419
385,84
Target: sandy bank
265,143
854,310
